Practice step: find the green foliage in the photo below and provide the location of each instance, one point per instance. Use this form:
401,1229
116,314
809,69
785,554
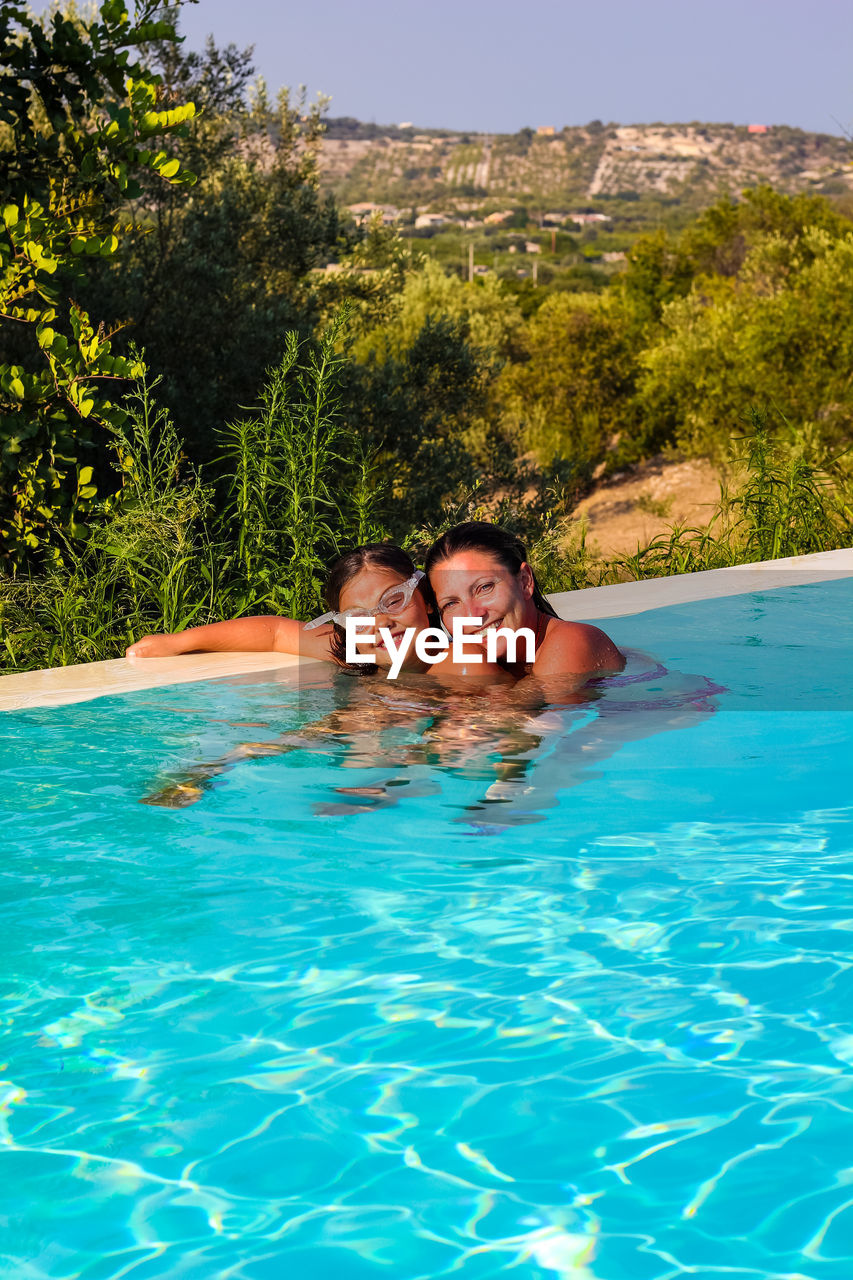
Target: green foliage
483,312
209,282
661,268
285,467
777,335
419,389
147,563
572,393
445,399
165,552
81,122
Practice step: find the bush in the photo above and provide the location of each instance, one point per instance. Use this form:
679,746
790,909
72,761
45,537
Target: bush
80,138
573,391
166,551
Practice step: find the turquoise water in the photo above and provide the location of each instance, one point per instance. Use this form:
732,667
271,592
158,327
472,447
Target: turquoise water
566,998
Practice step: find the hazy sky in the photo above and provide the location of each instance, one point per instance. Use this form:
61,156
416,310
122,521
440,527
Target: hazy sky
496,65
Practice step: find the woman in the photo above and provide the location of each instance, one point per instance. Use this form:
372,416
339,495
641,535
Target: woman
378,580
478,570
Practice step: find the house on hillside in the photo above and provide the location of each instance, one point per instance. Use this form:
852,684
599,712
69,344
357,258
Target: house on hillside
554,219
495,219
545,131
431,220
756,128
364,211
585,219
532,246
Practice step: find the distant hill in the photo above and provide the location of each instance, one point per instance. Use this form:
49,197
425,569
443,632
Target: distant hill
685,163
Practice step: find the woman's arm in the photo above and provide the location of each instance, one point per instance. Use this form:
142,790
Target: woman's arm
240,635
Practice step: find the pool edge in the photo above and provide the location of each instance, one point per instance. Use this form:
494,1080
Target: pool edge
626,598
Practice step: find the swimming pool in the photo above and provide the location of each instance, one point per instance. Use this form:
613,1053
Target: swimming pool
591,1022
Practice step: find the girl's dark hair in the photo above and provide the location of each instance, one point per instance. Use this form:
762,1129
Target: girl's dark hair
373,555
479,535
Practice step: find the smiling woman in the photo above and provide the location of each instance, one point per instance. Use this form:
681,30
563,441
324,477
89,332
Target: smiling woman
479,570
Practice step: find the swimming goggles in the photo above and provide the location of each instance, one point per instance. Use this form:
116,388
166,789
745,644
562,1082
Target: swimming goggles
392,602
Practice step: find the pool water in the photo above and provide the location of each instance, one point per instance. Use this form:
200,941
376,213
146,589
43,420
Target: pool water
573,1001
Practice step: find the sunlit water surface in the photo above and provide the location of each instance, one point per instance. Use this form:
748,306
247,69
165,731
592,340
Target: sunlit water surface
366,1009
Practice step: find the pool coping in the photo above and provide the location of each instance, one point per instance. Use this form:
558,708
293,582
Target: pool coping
59,686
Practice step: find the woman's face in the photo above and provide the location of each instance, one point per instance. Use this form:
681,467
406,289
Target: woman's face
363,592
474,584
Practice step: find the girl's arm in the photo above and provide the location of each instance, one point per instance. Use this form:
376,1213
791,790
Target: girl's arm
241,635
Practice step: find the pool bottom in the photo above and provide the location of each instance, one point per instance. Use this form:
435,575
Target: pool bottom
252,1038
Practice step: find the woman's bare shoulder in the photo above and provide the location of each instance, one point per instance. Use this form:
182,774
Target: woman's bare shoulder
576,648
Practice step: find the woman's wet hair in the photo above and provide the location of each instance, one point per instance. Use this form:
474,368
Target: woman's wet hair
373,555
479,535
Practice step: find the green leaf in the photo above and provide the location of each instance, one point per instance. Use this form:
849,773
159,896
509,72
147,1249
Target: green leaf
10,215
170,168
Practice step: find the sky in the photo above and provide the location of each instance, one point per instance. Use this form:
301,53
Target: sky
496,66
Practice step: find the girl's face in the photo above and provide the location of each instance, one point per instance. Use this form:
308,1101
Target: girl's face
364,592
474,584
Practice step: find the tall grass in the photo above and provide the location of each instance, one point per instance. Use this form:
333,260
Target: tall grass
171,548
784,505
279,509
145,562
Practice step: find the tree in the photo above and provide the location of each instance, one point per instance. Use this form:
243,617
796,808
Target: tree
209,282
574,389
661,268
81,126
776,336
489,318
420,390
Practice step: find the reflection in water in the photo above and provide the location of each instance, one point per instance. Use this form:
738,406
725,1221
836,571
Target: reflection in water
526,742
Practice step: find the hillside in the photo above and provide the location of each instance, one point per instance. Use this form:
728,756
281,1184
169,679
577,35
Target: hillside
685,163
